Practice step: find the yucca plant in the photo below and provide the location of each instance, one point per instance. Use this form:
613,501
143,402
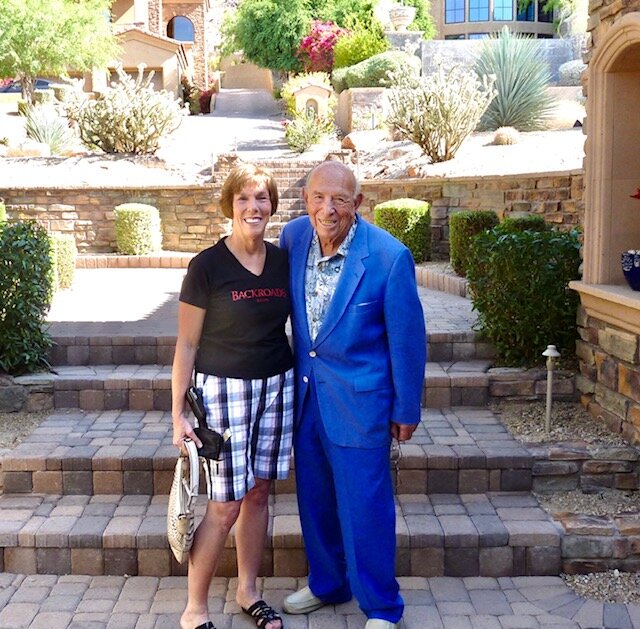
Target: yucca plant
522,100
44,124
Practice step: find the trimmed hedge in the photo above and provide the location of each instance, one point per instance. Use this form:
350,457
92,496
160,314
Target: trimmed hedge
64,253
374,71
138,229
26,278
463,226
533,222
408,220
519,283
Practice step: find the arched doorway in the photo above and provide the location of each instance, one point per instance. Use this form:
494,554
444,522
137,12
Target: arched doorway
612,218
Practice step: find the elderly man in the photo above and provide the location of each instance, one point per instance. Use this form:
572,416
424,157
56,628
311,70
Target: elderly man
360,351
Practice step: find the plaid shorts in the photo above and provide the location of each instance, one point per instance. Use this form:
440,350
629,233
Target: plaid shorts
259,417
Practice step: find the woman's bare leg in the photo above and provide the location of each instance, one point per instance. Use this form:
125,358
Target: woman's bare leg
251,531
204,557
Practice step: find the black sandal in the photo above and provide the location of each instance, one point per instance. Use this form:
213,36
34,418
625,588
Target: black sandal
206,625
262,613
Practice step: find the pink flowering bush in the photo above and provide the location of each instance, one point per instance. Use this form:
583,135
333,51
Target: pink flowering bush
315,52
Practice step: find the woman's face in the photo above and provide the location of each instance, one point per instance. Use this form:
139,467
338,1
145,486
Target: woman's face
251,210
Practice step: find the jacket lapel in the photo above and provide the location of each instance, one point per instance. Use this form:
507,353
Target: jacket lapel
352,273
298,261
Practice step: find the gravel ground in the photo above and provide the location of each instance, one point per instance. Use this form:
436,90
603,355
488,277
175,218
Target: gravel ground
14,427
525,421
612,586
569,421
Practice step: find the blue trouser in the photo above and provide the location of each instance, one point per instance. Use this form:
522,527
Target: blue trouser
345,498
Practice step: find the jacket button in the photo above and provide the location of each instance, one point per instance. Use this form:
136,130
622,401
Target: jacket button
312,354
305,379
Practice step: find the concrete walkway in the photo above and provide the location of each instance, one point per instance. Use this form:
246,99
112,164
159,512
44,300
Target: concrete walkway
144,302
246,121
84,602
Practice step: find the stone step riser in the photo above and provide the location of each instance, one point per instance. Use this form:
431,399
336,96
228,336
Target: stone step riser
129,350
491,535
94,476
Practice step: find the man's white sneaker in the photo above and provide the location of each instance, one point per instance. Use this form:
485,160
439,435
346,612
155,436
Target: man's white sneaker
303,601
378,623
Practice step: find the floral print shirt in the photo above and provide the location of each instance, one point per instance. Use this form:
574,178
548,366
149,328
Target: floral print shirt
321,279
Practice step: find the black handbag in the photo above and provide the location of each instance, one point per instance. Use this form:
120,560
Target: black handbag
212,441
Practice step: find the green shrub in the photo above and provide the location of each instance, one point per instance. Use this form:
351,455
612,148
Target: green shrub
130,117
137,229
376,71
23,107
64,253
305,130
463,226
533,222
409,220
438,111
299,81
423,20
44,124
359,45
519,286
44,97
522,100
25,296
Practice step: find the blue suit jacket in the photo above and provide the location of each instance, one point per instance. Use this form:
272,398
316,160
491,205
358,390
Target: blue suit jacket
368,359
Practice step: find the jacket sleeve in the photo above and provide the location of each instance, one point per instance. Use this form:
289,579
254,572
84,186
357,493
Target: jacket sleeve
407,339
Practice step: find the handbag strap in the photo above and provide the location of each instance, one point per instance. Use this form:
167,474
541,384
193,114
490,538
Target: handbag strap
194,468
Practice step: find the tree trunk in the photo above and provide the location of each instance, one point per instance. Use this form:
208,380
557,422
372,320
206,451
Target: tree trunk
28,88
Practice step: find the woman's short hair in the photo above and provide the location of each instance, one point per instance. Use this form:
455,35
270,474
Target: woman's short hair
238,179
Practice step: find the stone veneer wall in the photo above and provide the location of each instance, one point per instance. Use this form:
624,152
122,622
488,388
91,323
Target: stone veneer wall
556,196
192,220
609,379
190,215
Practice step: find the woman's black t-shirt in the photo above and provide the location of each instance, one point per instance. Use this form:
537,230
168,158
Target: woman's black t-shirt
243,335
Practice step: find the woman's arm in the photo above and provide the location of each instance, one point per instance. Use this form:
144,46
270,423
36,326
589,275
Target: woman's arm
190,321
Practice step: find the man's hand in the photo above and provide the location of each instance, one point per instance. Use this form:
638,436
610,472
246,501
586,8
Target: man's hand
402,432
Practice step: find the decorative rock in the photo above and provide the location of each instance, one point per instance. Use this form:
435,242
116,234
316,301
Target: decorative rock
364,140
12,398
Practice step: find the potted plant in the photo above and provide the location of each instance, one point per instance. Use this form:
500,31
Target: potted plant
631,261
401,15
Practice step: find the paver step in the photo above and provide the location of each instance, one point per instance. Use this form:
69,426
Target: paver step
91,344
493,534
148,387
458,450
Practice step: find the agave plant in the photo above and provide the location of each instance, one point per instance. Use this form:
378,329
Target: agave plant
522,100
44,124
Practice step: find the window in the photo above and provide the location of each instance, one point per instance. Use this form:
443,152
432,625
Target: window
478,10
478,35
544,16
503,10
453,11
528,13
460,36
180,28
544,36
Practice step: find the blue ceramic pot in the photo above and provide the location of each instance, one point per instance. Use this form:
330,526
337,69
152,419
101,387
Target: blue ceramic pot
631,268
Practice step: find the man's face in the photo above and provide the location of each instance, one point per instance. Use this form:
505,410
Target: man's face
331,203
